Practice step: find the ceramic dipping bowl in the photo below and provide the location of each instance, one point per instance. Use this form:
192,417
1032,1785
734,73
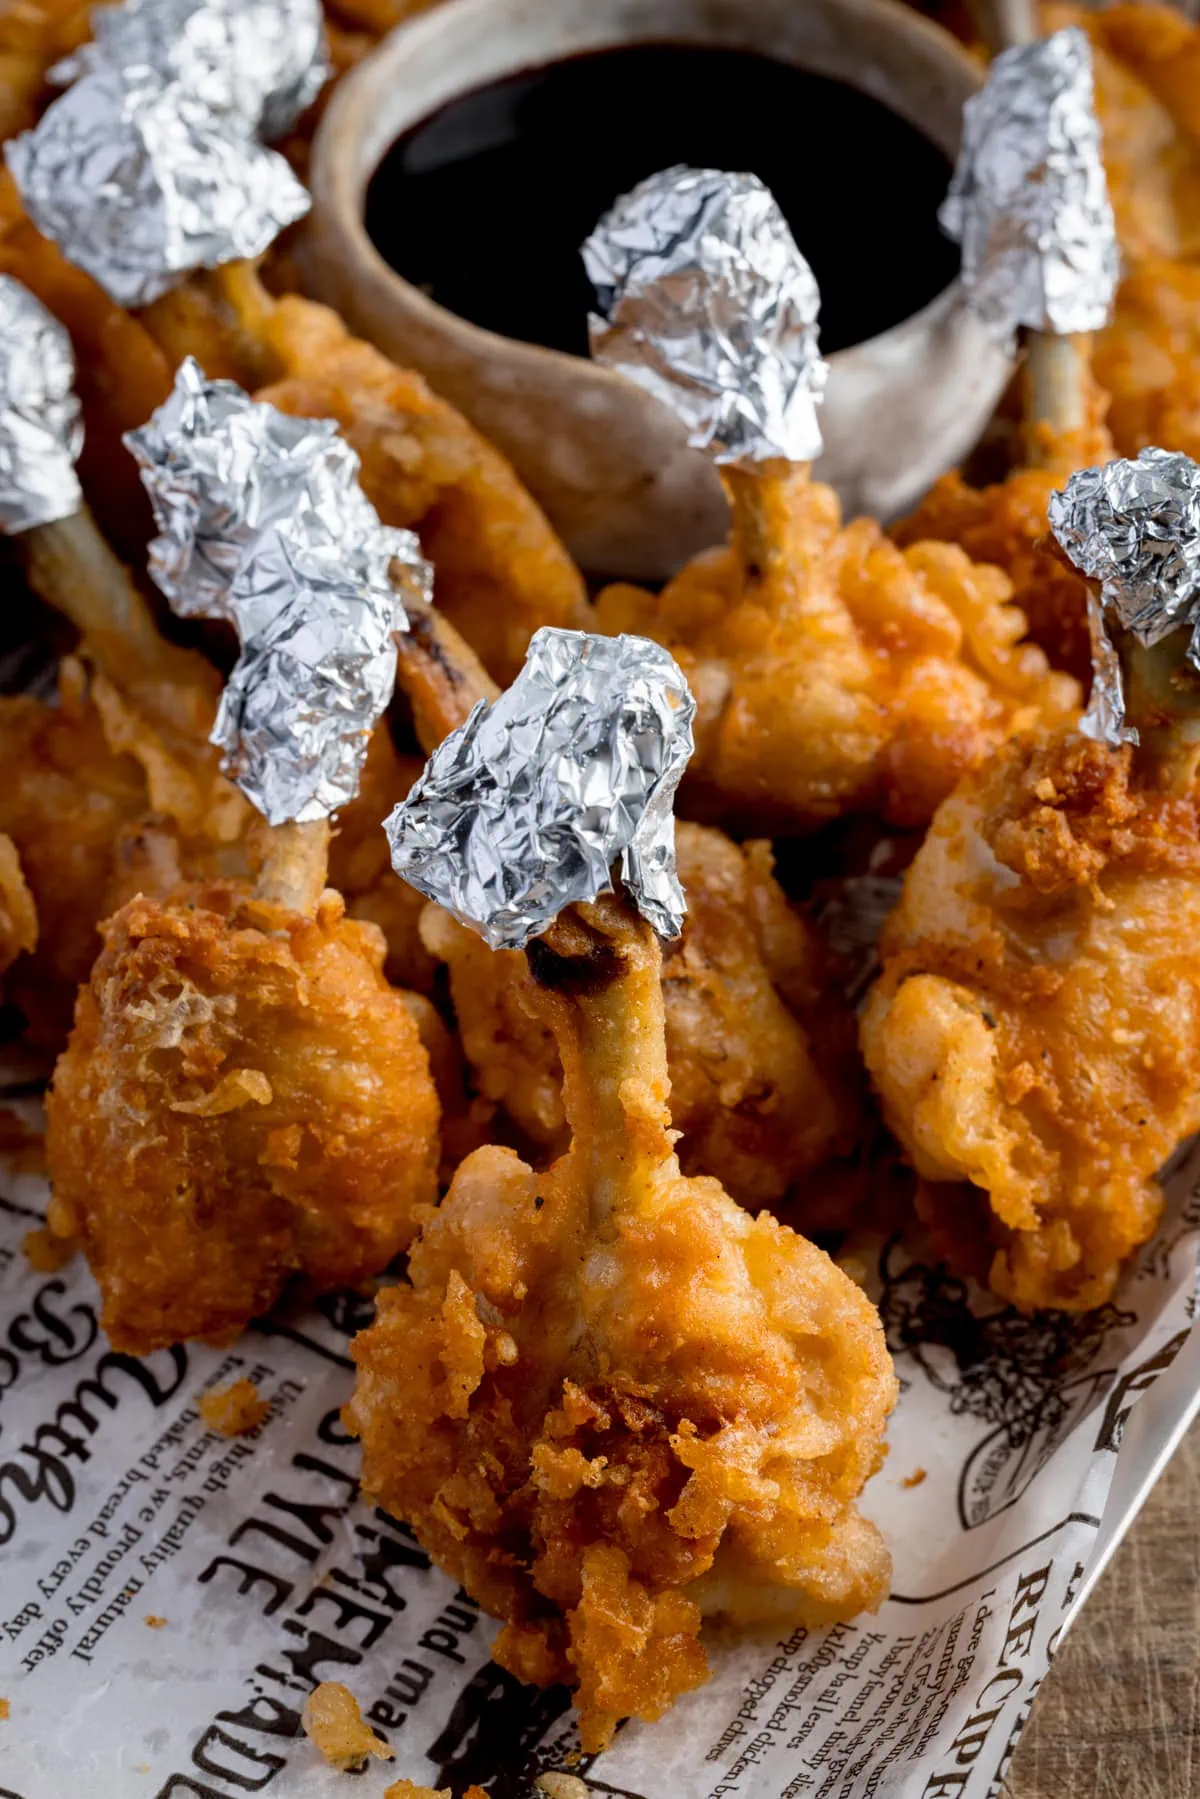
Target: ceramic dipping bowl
607,462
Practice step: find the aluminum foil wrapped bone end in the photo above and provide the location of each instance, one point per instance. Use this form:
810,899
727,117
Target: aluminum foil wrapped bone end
1133,528
262,522
317,622
706,302
139,183
41,430
1029,200
263,62
527,808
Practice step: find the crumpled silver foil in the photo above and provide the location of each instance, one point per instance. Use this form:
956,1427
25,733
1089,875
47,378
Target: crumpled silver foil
263,60
220,468
41,431
709,305
139,182
1134,527
262,523
525,809
1029,200
316,618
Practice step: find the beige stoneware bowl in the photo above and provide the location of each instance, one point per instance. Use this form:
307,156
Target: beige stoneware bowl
608,463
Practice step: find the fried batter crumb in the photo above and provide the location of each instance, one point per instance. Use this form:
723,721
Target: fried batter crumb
46,1252
234,1411
562,1786
336,1727
915,1478
5,1709
154,1621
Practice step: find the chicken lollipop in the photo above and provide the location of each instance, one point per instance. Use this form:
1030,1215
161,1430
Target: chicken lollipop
608,1400
1029,204
244,1097
746,990
127,740
1035,1033
832,672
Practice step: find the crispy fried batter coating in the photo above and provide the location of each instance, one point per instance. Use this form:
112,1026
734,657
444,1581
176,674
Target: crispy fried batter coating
610,1401
837,673
1036,1030
64,801
760,1044
1005,525
501,571
33,35
243,1098
18,914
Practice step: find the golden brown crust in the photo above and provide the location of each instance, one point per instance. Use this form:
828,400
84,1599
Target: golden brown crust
243,1098
744,989
610,1400
1036,1029
849,676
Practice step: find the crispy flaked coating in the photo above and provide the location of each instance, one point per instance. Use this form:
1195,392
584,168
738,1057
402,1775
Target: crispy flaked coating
834,672
243,1098
64,802
501,571
18,914
760,1044
233,1411
1005,525
1036,1030
610,1401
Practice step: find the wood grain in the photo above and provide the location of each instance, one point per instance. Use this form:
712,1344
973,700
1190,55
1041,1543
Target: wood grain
1119,1716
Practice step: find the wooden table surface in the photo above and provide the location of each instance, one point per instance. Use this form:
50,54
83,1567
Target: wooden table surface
1119,1715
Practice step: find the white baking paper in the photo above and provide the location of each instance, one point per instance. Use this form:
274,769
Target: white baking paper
267,1574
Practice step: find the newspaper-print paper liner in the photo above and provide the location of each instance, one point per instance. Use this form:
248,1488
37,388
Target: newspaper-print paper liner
262,60
263,1574
706,302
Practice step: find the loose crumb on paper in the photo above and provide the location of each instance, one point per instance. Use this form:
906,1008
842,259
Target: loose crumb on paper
155,1622
234,1410
5,1708
46,1252
334,1725
408,1789
914,1479
562,1786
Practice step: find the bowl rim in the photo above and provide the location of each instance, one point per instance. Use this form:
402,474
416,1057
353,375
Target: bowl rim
339,181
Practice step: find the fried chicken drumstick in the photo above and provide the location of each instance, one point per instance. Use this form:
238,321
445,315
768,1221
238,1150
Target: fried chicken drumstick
832,671
609,1401
244,1097
746,993
1034,1033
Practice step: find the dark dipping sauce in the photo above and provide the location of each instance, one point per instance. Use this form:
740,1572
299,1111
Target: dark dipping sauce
484,205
